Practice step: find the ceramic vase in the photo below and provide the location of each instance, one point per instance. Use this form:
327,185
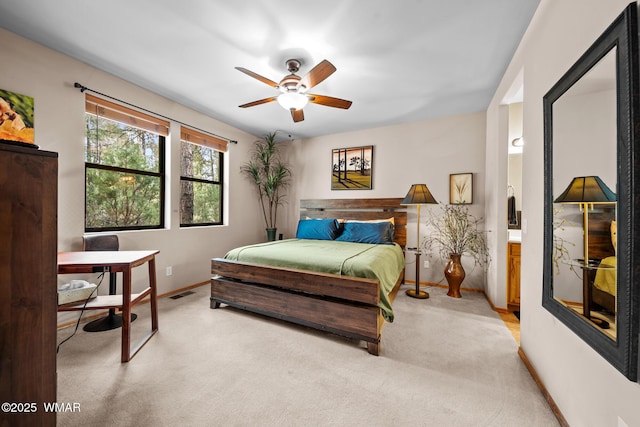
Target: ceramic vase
271,234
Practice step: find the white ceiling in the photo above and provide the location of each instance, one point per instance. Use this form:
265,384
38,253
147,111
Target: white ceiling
398,61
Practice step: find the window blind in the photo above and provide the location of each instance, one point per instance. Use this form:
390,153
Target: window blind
196,137
110,110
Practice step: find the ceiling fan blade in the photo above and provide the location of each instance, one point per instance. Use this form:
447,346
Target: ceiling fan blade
297,115
317,74
329,101
258,77
260,101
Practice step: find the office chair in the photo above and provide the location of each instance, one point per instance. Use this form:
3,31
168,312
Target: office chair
105,242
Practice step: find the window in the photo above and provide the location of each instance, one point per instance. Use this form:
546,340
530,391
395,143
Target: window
201,172
124,168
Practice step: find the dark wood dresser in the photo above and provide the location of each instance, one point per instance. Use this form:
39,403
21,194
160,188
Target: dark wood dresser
28,277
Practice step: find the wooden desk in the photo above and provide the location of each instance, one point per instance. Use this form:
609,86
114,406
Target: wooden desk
116,262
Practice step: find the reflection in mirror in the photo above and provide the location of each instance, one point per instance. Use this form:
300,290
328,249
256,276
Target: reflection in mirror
591,196
584,170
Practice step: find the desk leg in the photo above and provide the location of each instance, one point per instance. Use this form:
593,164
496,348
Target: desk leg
126,316
154,294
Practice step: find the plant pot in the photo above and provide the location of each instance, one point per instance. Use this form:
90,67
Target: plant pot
271,234
455,275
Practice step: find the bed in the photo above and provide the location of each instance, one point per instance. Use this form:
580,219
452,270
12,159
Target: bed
310,294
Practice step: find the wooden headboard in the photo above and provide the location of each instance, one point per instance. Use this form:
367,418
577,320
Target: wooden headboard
359,209
600,245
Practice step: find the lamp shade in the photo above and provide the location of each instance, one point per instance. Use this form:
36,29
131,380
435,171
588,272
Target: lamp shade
418,194
586,189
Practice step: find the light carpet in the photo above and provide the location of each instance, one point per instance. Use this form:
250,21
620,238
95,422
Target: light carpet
444,362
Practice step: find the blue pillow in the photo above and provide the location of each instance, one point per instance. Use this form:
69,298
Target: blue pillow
367,232
318,229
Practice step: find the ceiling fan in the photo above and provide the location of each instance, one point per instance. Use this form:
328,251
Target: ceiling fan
294,94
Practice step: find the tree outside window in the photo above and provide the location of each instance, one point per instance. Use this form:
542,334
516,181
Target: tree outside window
124,176
201,185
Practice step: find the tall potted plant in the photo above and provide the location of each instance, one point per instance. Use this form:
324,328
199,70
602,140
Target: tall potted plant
271,177
453,234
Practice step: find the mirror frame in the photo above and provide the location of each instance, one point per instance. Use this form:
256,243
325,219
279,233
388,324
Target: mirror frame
623,352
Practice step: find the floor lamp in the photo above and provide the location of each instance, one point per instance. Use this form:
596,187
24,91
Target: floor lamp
418,195
586,191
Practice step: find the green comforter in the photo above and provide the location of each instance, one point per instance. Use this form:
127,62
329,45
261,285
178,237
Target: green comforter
380,262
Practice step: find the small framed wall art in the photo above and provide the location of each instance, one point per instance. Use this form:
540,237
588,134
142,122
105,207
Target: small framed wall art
351,168
461,189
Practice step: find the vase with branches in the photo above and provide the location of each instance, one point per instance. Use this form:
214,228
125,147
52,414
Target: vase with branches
453,234
271,176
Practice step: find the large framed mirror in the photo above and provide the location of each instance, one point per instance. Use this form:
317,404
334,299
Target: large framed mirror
591,125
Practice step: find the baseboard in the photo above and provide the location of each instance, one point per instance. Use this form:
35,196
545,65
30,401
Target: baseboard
440,285
552,404
186,288
98,314
497,309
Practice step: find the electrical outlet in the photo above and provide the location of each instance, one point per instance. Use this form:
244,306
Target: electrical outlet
426,264
169,271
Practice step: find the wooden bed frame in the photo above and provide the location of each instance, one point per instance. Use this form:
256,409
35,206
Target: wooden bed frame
342,305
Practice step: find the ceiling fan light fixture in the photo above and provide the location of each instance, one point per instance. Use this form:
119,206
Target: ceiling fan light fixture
292,100
294,88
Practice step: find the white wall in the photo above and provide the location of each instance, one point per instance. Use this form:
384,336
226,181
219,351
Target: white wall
48,77
423,152
586,388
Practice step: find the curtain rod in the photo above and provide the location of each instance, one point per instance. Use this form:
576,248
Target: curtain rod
84,88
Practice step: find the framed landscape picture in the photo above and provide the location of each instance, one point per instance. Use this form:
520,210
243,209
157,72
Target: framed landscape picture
16,118
461,189
351,168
